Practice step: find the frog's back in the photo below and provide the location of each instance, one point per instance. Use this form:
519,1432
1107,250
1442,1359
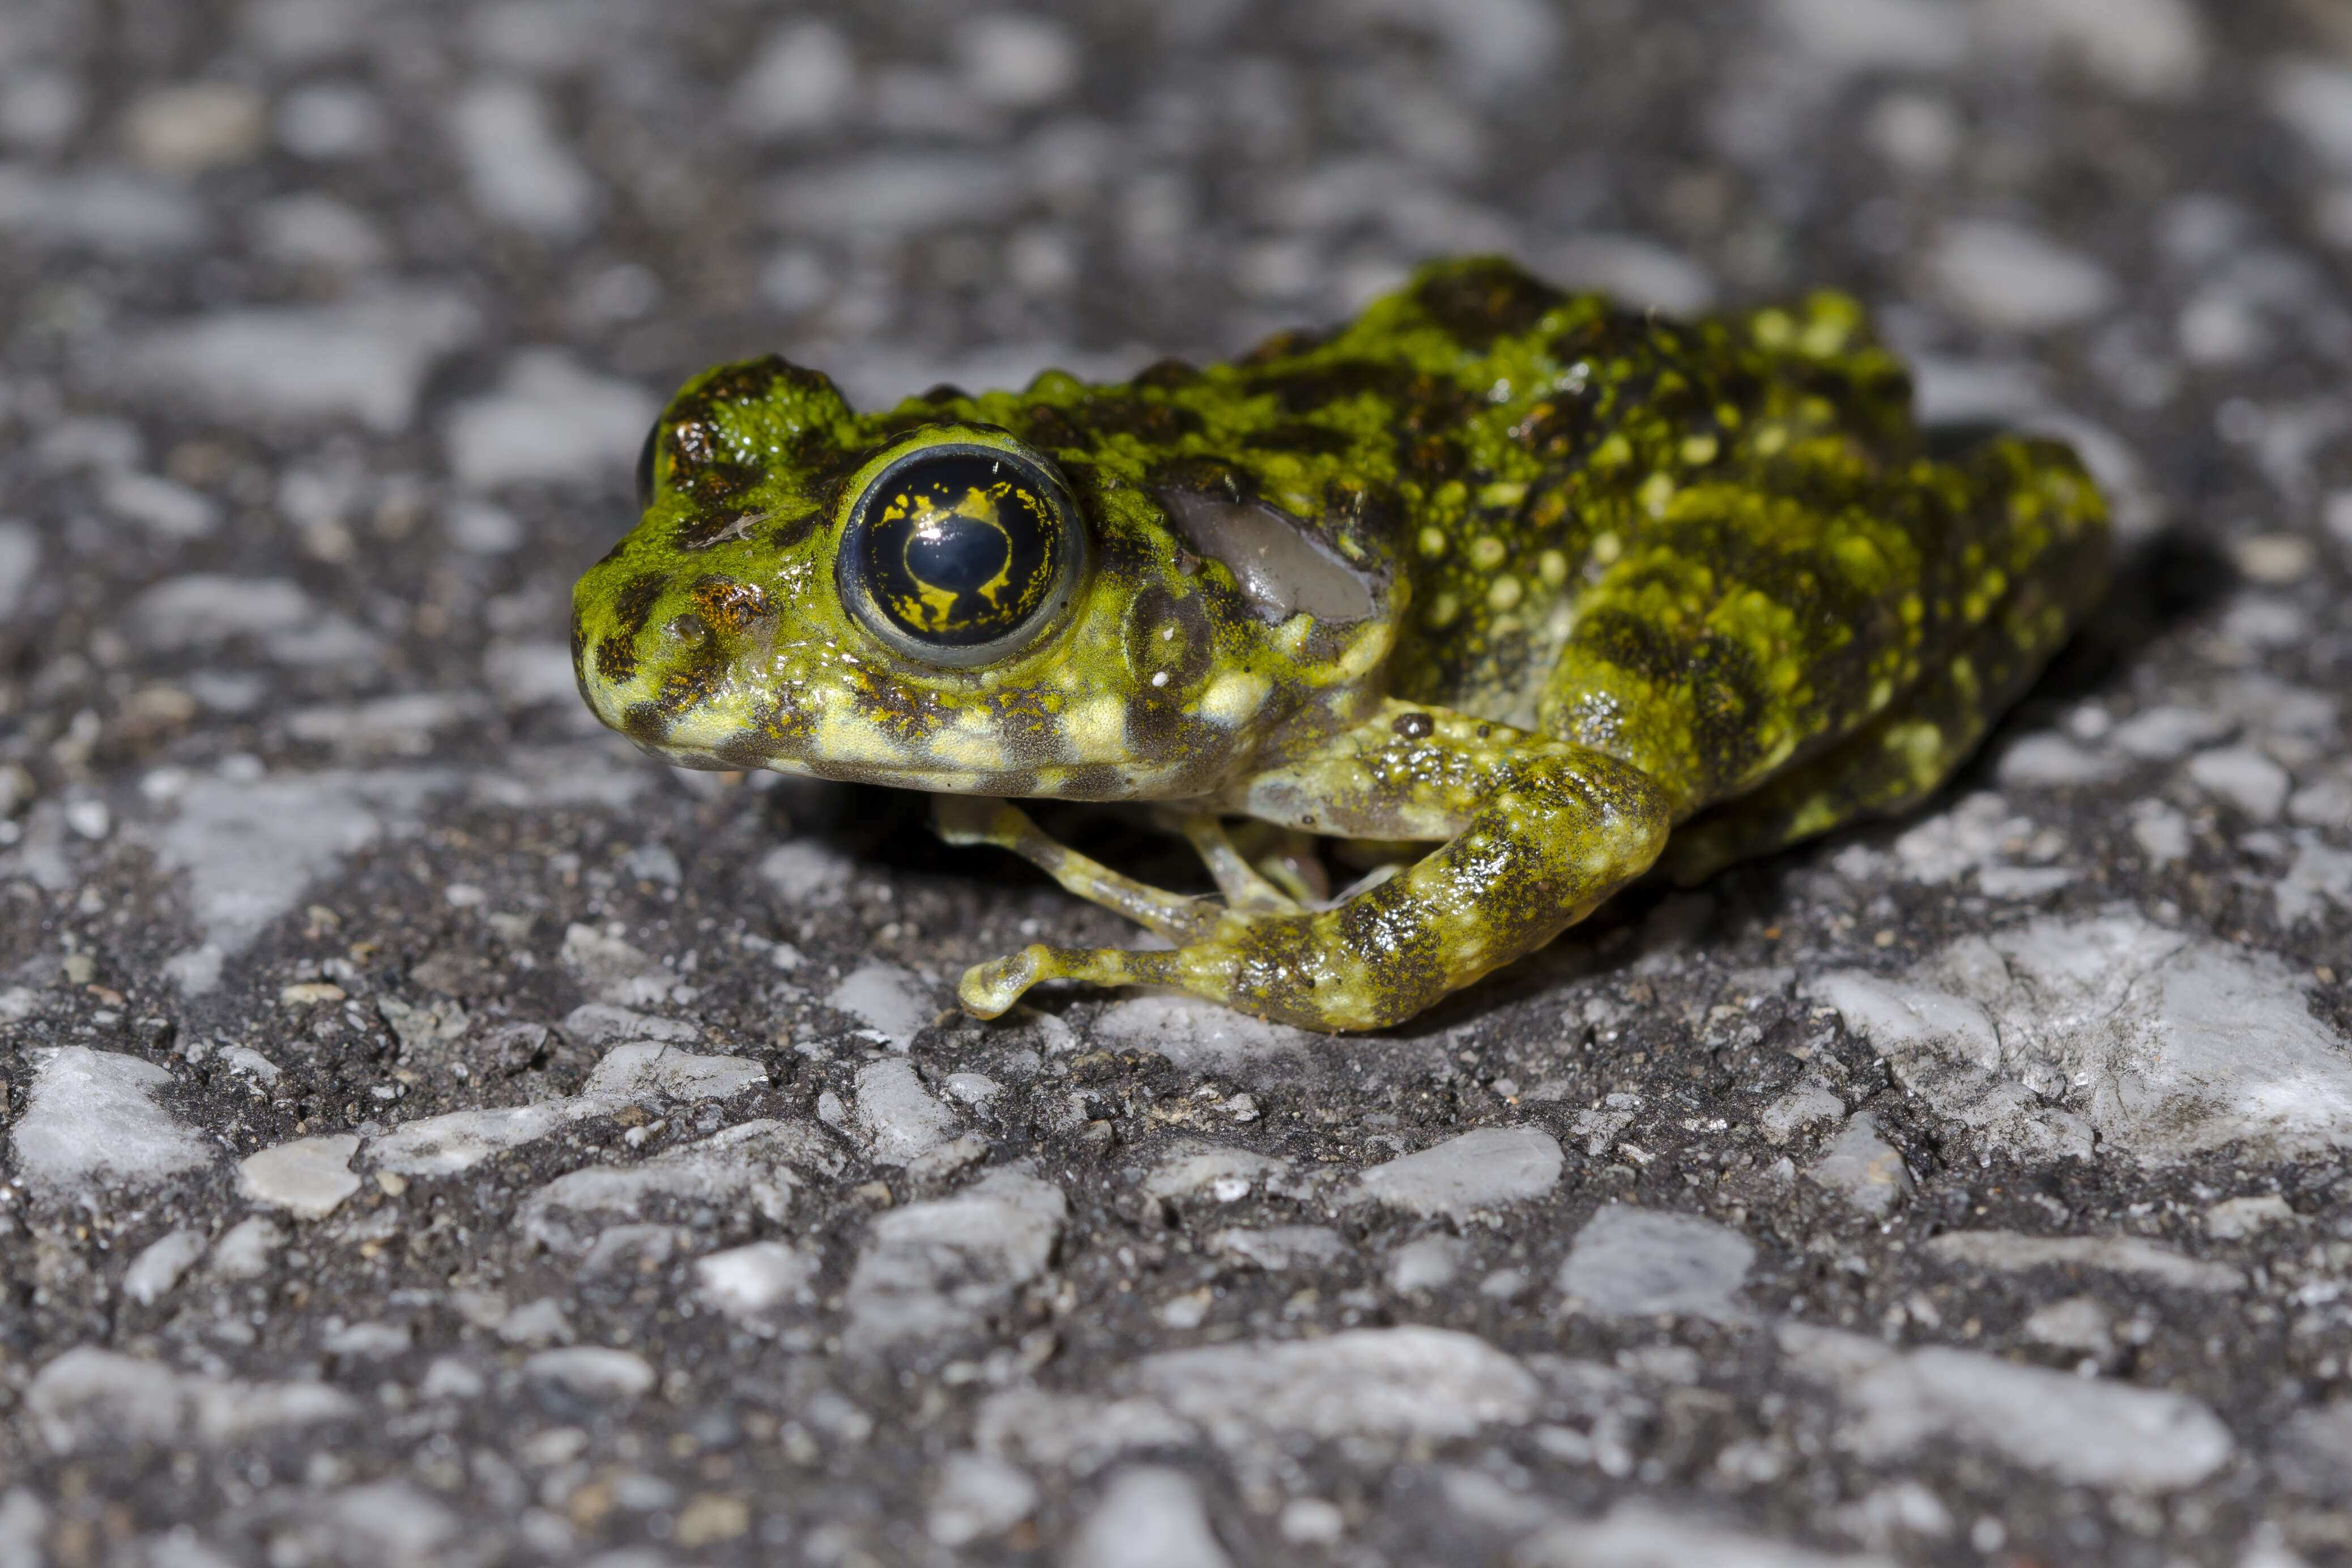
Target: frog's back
1712,548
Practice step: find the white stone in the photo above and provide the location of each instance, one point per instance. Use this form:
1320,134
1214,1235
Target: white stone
600,1024
312,230
549,422
1198,1035
108,211
612,970
2243,777
902,1121
1149,1517
368,1341
1810,1104
649,1074
2161,832
2169,732
930,1271
746,1281
978,1495
2233,1219
2326,803
2012,278
170,511
2077,1430
1015,60
2074,1324
1633,1262
639,1074
389,1521
330,120
591,1373
1489,46
2318,876
188,129
2142,49
803,79
1277,1249
808,874
309,1178
1863,1168
2164,1045
20,561
251,846
89,1399
1428,1263
25,1525
517,166
403,725
528,674
2047,761
1877,35
1469,1173
92,1123
885,195
971,1088
1636,271
2106,1253
753,1167
887,998
1409,1382
1076,1433
1638,1535
246,1248
2315,98
161,1264
364,360
1190,1166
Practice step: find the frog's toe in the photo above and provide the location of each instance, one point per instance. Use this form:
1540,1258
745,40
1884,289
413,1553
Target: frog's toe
988,989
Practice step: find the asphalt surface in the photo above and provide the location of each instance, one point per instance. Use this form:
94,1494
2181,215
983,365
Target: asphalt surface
438,1134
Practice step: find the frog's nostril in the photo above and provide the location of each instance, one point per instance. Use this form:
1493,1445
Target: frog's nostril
691,630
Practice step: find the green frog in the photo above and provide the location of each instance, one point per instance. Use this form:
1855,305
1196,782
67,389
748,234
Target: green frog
1518,593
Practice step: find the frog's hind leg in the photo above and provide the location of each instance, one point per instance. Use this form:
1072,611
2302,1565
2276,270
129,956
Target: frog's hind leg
1897,759
1537,833
963,819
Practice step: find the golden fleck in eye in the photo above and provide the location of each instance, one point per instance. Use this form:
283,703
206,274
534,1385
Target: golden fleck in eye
959,555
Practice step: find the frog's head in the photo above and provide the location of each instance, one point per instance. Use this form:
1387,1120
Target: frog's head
967,595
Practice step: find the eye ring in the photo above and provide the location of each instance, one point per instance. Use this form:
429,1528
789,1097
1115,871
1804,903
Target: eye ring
960,552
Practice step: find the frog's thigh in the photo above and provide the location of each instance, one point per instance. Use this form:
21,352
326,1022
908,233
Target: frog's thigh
1887,765
1546,831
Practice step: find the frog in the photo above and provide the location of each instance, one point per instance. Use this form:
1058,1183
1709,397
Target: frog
1509,595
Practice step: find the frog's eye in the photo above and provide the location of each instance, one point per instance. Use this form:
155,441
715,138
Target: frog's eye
646,467
961,554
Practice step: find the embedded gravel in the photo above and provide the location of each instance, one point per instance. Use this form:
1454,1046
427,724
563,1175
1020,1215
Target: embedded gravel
437,1134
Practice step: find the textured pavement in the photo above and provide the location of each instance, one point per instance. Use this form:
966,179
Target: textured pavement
438,1134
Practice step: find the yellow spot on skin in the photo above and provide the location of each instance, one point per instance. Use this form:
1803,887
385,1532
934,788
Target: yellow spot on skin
1773,329
1656,491
1698,449
1097,729
1552,567
1505,593
1231,699
1486,553
1769,440
1433,542
1443,609
1502,494
1606,548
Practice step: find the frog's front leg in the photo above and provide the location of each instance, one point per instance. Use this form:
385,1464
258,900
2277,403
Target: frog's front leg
965,819
1537,832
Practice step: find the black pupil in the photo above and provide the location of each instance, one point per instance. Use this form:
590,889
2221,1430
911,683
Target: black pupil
960,548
